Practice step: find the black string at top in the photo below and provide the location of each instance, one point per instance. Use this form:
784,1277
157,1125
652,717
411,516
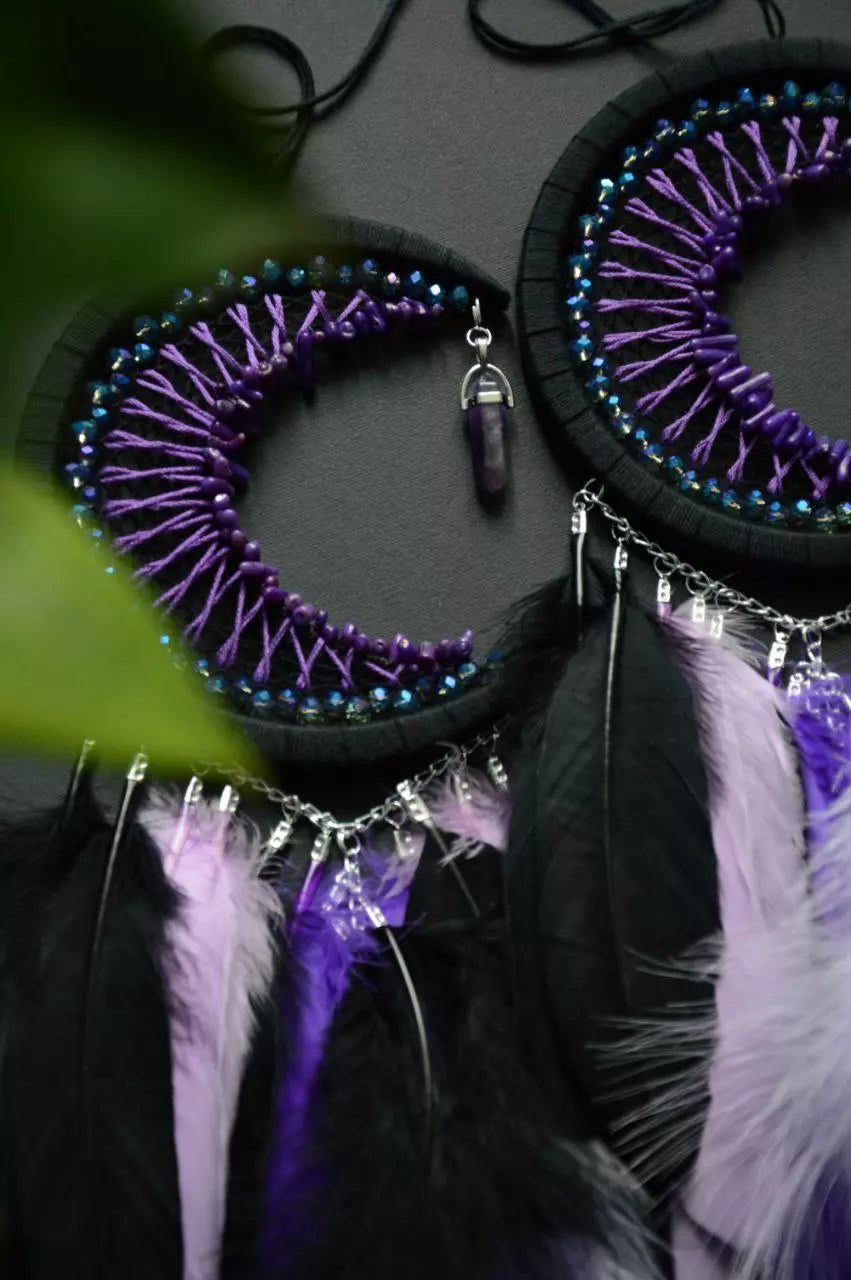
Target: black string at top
608,31
294,119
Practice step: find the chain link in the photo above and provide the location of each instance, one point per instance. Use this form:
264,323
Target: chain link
698,583
391,810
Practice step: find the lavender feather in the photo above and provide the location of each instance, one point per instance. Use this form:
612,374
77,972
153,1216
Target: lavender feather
478,819
220,965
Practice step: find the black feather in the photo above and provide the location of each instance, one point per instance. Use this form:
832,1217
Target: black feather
100,1201
611,870
486,1191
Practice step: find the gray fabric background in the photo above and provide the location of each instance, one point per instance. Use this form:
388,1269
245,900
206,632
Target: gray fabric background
365,499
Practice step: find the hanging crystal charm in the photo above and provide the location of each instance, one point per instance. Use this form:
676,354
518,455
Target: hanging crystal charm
777,656
497,773
663,598
716,624
486,397
698,610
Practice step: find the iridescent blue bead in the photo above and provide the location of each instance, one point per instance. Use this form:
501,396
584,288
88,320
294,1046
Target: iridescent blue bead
379,698
448,686
663,131
368,271
598,388
843,514
724,113
81,515
630,158
425,687
145,328
170,323
624,425
309,710
250,288
207,301
769,106
345,275
90,495
459,298
582,349
415,284
391,284
744,104
606,191
811,104
97,537
119,359
296,277
202,668
674,467
612,406
790,96
775,513
216,685
641,439
701,111
286,703
731,502
99,415
319,270
76,474
824,518
404,700
120,383
801,511
494,658
183,301
599,365
226,282
242,687
335,704
655,453
711,491
85,430
584,286
588,225
834,96
357,710
272,272
578,306
755,504
605,213
261,702
143,354
435,295
101,393
690,482
627,183
467,672
165,641
651,152
686,131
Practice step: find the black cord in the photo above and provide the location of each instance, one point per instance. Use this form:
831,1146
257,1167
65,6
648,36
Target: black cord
304,110
608,31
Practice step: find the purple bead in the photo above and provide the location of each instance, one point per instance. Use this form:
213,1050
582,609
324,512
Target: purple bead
227,518
220,465
275,595
221,502
376,320
755,204
332,330
348,632
265,371
253,569
784,181
211,485
304,362
426,652
294,601
402,650
754,402
777,422
812,174
464,645
347,330
838,449
714,322
330,634
222,431
238,541
287,349
444,652
757,419
304,614
732,377
487,435
760,382
706,277
727,261
279,364
251,551
361,321
404,311
321,617
843,468
360,644
380,648
224,408
796,437
771,195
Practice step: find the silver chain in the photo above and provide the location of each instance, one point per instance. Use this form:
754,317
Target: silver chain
698,583
391,810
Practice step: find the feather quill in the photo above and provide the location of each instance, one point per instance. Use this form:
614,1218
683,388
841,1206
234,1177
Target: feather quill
221,961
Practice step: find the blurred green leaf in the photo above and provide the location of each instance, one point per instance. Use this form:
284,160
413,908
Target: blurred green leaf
80,652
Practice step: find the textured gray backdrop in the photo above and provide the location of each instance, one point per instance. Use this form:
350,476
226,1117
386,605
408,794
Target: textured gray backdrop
365,499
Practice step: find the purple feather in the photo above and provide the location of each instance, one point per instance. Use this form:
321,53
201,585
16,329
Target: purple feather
473,810
325,948
220,963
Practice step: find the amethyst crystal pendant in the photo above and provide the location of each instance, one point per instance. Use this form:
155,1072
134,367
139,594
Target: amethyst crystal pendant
486,397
